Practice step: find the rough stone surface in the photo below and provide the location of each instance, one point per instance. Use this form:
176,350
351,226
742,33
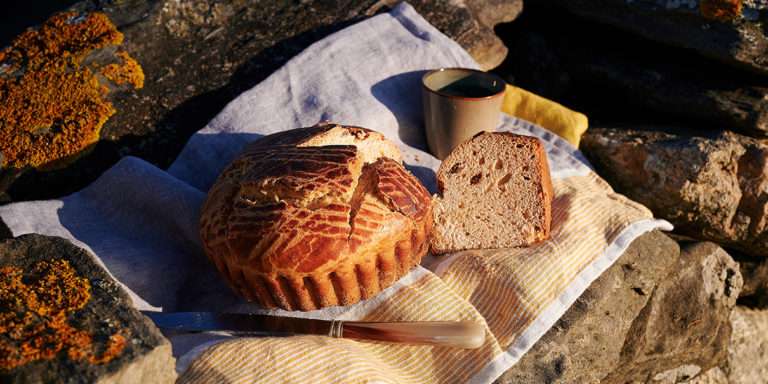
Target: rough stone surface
755,291
612,75
712,376
748,350
484,45
685,327
729,31
146,355
585,344
747,353
712,187
657,315
198,55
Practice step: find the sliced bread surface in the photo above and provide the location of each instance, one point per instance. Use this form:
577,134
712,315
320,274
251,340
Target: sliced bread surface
495,191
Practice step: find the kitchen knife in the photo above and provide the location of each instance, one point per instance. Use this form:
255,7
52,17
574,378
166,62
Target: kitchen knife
460,334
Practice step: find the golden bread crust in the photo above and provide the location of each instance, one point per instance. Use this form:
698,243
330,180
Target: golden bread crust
546,190
304,227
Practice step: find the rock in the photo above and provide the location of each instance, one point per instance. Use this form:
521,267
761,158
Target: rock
748,350
72,319
612,75
55,100
710,186
684,329
755,291
657,315
585,344
471,23
712,376
483,44
729,31
198,55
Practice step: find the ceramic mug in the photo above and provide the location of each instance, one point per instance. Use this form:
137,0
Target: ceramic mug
458,104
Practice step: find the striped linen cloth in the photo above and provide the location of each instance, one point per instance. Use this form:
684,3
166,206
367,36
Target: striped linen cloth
518,294
141,223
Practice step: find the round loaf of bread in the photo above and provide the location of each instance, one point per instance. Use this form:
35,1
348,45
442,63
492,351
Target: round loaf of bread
316,217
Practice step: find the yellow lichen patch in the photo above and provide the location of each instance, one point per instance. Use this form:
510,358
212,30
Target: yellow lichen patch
722,10
34,311
128,72
52,106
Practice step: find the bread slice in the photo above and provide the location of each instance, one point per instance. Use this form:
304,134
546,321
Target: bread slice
494,192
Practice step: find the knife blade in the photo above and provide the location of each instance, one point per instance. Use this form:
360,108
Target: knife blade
235,322
460,334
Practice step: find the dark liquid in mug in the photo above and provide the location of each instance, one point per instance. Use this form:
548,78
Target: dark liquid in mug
469,87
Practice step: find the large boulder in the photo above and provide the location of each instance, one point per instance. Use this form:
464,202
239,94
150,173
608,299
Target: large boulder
730,31
710,186
613,75
64,319
657,315
198,55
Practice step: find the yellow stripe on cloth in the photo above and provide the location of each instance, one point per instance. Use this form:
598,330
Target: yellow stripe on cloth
324,360
526,105
504,289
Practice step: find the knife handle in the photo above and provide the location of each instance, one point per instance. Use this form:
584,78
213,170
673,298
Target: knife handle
461,334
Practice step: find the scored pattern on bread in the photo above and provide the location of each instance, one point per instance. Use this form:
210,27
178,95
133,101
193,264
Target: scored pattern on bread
494,192
316,217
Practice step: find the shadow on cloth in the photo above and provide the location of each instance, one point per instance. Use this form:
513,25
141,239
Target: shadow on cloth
142,222
426,175
401,94
206,155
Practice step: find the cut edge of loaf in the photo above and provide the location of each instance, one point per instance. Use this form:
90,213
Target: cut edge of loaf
444,238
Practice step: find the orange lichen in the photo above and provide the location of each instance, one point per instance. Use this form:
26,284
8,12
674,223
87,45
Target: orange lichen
129,72
721,10
34,311
52,106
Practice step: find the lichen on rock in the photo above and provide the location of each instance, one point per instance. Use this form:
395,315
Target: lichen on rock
34,316
63,318
53,99
127,72
721,10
